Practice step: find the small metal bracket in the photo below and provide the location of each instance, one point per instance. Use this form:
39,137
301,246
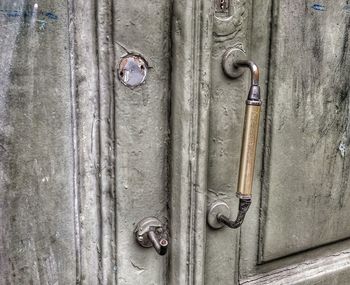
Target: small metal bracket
219,214
229,58
216,208
222,6
151,232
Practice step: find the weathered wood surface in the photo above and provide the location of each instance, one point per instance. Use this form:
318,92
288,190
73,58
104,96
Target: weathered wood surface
225,134
84,158
293,58
259,50
191,50
123,135
142,136
86,136
326,270
303,136
37,239
42,130
306,201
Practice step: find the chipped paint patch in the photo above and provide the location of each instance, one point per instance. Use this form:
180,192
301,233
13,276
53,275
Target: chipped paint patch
25,14
35,15
45,179
342,149
318,7
139,269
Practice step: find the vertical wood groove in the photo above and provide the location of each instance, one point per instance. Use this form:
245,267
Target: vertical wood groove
93,38
141,131
87,109
192,29
266,157
107,138
76,202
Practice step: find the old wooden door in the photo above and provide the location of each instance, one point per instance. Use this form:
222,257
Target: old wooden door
298,230
84,158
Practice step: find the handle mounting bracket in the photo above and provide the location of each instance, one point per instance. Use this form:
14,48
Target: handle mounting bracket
151,232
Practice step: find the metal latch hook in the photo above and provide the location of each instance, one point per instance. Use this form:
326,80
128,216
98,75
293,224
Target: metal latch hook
151,232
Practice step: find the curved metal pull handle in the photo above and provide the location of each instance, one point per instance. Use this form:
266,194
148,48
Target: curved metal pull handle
151,232
219,213
250,132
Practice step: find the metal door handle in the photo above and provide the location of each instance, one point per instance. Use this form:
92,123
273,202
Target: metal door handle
151,232
219,212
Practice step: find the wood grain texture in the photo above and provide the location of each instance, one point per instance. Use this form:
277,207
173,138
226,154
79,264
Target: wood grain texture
332,270
191,38
225,135
142,136
306,183
252,271
84,158
106,61
87,124
259,51
37,239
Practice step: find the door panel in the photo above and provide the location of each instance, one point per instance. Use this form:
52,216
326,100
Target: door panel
332,269
225,135
303,210
142,136
123,134
307,201
301,201
110,144
37,239
190,98
84,157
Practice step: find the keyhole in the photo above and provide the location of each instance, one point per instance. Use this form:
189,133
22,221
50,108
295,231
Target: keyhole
222,4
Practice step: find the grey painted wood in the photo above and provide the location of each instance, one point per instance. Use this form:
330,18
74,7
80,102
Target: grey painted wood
259,51
307,257
142,136
111,121
106,62
119,138
306,180
191,50
37,238
285,42
225,134
332,269
86,111
293,62
93,61
84,158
